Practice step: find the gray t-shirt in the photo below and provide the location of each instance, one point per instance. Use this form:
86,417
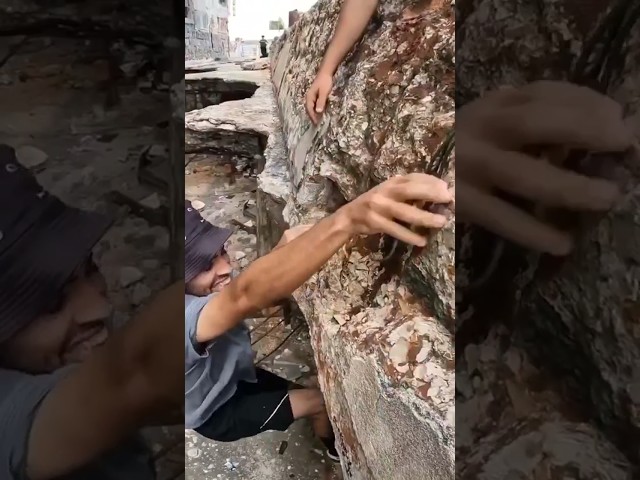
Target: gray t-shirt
212,371
20,396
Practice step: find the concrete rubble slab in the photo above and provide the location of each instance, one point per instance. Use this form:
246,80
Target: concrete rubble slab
212,88
259,64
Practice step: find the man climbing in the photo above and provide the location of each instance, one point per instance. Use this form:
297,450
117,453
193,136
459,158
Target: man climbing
263,48
72,394
226,397
256,393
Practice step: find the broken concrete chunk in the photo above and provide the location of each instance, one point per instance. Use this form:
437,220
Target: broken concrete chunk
140,293
129,276
472,356
162,241
403,331
152,201
260,64
341,319
399,353
423,354
130,68
197,204
150,263
30,156
157,151
420,372
232,466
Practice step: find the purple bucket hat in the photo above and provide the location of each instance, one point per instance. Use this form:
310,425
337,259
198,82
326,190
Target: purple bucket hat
202,242
42,242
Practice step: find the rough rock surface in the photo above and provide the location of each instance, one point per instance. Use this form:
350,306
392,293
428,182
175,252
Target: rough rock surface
575,320
238,127
260,64
382,340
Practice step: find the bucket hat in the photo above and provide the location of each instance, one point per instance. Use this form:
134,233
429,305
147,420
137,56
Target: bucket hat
203,241
42,242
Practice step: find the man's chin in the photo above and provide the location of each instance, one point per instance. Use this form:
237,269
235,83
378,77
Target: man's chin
221,286
84,351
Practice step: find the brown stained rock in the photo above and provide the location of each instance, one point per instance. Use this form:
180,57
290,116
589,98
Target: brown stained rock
423,391
570,323
414,350
392,101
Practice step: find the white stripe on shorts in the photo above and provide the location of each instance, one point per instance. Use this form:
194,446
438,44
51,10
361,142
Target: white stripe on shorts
274,412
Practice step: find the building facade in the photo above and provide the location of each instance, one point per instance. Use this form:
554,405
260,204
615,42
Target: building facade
206,29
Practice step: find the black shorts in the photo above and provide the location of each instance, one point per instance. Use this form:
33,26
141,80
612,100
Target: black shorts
253,409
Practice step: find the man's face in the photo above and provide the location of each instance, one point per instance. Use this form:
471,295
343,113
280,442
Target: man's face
66,334
214,279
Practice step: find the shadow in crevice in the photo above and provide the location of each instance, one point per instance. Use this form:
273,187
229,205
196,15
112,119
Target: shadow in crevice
205,92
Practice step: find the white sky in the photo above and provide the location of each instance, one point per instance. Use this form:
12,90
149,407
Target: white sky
253,16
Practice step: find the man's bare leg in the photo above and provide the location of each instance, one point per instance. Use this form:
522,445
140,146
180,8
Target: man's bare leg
309,403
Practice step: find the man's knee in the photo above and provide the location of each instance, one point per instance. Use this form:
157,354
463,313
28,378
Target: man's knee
307,402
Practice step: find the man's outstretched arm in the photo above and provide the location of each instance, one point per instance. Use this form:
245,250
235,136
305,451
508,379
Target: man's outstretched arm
353,20
136,378
276,275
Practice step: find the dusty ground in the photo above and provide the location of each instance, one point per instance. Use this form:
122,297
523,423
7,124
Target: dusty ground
54,99
293,454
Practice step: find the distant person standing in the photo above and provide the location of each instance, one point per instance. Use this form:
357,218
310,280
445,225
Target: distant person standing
263,48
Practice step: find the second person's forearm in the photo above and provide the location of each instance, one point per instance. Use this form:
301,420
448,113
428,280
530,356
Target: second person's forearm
353,20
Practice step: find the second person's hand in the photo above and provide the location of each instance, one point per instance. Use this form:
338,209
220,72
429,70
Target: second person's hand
317,95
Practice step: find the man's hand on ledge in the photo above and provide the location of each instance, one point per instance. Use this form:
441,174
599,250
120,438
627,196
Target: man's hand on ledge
317,96
352,22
